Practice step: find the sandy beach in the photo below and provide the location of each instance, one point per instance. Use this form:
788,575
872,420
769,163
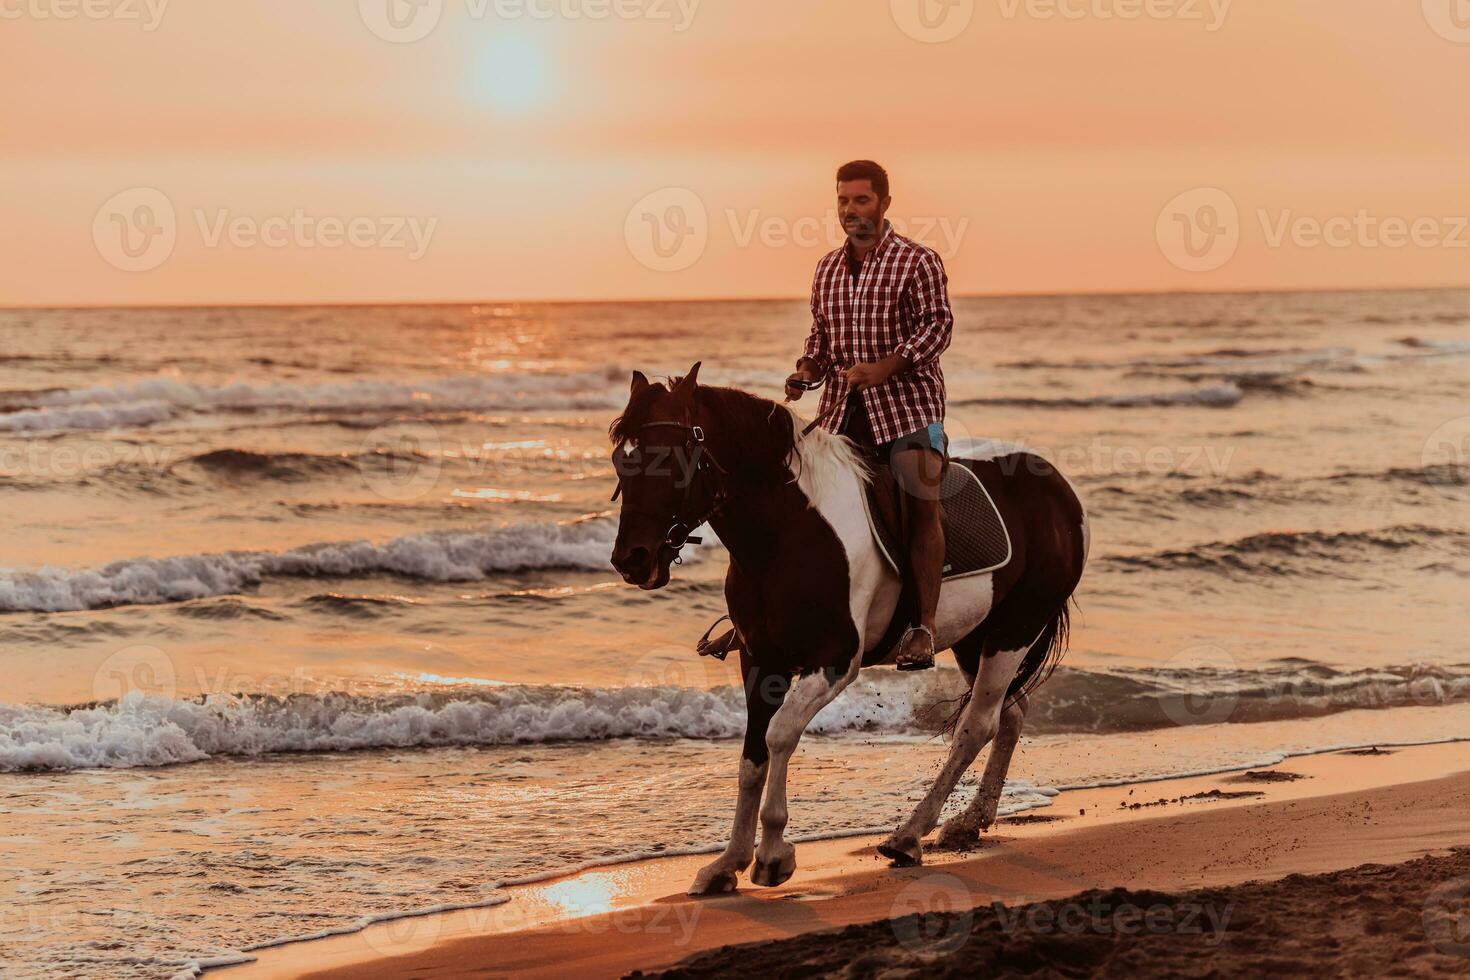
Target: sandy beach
1162,841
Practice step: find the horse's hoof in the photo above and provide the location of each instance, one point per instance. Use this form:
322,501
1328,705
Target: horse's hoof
776,871
953,837
713,882
904,852
987,813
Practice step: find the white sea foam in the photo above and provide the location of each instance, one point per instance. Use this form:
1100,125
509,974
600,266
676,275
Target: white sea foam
86,418
442,556
152,400
1221,395
152,730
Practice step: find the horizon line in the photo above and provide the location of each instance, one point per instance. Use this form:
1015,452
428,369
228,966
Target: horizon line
353,304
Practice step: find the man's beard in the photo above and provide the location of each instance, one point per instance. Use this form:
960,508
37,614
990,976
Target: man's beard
860,229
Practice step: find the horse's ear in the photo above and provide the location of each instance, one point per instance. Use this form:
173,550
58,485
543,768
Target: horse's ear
689,382
640,381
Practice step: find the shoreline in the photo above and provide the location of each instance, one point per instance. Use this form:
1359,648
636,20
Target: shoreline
612,919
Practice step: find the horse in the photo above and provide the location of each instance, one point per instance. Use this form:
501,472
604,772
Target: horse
812,596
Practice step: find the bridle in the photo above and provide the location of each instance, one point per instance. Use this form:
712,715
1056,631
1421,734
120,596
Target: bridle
680,532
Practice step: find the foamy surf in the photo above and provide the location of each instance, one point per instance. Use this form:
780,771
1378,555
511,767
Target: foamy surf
438,556
1210,396
153,400
142,731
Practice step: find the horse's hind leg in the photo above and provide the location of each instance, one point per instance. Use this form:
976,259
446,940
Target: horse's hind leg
978,723
963,831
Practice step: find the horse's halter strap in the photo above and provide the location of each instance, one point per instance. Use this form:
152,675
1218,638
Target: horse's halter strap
680,531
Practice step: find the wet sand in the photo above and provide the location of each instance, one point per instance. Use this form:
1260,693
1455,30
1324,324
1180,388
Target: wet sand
1156,840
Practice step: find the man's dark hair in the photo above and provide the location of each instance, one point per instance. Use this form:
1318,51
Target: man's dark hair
865,170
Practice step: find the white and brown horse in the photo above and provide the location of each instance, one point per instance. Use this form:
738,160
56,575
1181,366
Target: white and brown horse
811,594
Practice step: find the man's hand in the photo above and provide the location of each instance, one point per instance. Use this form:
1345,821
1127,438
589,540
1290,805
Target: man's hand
804,372
861,377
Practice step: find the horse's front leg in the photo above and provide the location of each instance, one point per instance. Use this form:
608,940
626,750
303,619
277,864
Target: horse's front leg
764,693
775,860
977,726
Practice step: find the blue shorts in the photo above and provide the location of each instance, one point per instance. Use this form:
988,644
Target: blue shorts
930,437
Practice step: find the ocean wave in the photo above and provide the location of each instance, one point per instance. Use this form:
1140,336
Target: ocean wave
142,403
152,730
439,556
1224,358
1150,698
1260,487
1211,396
1264,552
1445,346
86,418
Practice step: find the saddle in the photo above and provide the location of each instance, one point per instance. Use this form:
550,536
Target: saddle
975,542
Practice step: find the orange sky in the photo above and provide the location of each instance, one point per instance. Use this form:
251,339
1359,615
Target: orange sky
535,146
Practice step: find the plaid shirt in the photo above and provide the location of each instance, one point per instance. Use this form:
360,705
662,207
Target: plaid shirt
898,306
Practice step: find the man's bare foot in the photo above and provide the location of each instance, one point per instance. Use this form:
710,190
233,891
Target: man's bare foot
916,652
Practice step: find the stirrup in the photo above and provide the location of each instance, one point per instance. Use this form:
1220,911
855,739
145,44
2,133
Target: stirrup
903,643
720,646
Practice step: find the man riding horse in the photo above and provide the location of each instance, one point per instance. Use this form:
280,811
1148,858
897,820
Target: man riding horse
880,320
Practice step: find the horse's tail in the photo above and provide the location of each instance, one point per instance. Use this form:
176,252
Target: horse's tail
1035,668
1043,656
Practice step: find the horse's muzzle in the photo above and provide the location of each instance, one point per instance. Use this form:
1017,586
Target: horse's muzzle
640,567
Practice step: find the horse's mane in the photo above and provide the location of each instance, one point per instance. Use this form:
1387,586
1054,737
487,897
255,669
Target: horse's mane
765,436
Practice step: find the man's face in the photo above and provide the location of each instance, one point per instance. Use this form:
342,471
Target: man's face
860,209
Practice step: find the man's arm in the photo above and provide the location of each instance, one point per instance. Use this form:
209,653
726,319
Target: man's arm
933,321
816,357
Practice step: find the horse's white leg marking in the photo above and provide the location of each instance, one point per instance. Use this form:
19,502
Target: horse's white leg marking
775,859
980,814
978,724
719,874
